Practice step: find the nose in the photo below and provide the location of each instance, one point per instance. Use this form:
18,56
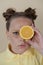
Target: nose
21,39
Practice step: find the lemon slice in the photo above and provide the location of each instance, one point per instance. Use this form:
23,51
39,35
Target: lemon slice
26,32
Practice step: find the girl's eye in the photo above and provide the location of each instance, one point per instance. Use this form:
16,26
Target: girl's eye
16,33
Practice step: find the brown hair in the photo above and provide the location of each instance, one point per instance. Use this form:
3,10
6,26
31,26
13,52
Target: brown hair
10,13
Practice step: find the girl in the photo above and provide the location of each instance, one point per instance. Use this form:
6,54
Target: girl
20,51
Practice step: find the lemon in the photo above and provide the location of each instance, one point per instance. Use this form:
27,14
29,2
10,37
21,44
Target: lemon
26,32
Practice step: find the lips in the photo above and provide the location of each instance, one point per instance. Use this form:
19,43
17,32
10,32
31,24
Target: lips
22,46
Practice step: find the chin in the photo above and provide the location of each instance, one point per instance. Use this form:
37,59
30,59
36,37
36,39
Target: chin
21,51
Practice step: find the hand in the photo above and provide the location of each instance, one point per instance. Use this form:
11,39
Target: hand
37,41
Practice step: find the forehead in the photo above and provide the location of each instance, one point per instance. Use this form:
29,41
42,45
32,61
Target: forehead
17,23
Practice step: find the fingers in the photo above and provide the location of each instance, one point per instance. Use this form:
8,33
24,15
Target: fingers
37,35
36,30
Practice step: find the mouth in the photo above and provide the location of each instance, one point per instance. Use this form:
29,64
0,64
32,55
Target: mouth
22,46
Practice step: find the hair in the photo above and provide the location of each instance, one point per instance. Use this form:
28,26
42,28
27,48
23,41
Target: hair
10,13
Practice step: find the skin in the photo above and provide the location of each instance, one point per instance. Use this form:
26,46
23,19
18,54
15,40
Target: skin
16,40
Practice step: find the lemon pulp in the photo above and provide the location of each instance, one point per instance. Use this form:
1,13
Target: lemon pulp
26,32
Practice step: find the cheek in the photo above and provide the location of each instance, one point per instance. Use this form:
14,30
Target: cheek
13,39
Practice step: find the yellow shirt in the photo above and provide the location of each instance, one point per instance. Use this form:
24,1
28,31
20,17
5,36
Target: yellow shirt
29,57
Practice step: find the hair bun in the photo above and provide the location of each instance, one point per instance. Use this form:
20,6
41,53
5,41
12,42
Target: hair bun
31,13
9,12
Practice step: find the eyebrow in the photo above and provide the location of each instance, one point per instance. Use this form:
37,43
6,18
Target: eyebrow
15,30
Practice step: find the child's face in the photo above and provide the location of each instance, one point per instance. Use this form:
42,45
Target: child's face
17,43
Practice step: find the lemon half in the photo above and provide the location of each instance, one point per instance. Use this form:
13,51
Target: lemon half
26,32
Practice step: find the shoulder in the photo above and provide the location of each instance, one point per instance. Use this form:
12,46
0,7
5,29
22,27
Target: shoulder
3,54
37,56
2,57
